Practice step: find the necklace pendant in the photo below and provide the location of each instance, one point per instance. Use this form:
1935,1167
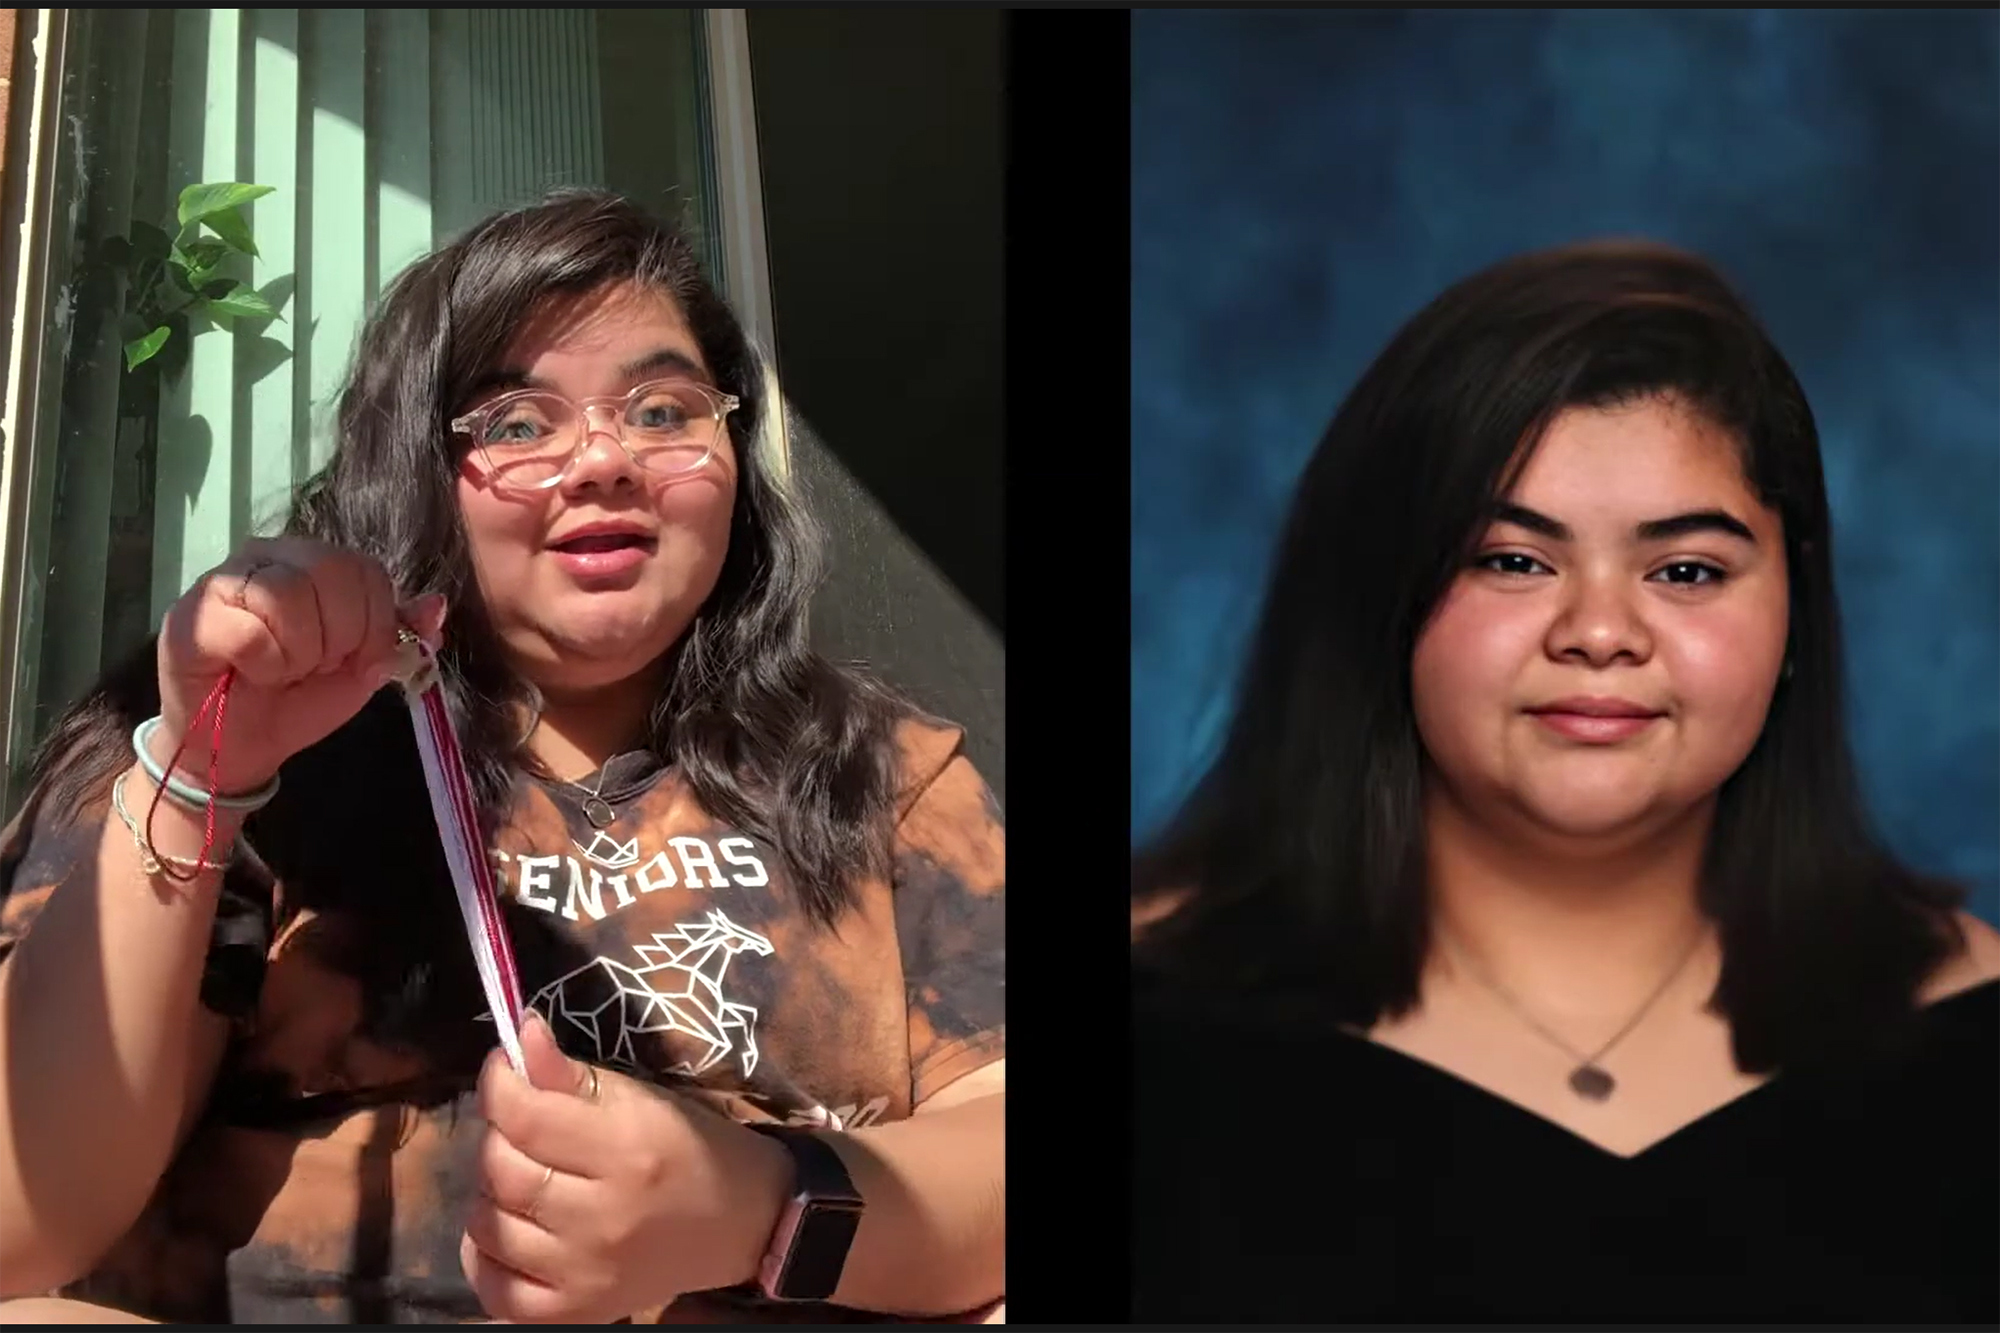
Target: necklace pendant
1592,1083
599,812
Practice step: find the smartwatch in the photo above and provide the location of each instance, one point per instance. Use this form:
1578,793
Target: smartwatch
809,1248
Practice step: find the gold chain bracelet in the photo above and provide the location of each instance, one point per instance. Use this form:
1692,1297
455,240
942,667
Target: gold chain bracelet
150,859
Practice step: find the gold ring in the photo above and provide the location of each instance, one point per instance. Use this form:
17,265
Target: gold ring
548,1174
592,1094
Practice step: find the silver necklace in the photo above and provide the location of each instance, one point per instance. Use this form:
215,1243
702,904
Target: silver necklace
1589,1079
595,808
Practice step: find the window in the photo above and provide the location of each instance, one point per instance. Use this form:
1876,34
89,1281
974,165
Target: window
381,133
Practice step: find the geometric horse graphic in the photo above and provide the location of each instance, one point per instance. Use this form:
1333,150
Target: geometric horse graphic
679,989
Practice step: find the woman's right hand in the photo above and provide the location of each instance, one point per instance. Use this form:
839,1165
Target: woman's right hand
310,630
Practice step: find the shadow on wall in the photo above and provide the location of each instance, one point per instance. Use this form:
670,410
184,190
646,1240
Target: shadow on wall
1302,182
890,607
879,137
879,142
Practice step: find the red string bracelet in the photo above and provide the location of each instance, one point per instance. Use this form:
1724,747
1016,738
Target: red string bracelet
452,805
218,699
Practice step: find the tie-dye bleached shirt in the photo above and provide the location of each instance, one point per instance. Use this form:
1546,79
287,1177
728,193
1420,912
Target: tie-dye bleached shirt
330,1174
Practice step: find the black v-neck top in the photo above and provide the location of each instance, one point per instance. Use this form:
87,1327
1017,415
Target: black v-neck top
1319,1177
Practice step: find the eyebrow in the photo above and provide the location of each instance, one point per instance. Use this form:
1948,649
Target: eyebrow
1652,530
664,358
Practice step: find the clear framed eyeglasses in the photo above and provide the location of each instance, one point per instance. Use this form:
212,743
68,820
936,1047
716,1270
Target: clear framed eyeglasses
529,439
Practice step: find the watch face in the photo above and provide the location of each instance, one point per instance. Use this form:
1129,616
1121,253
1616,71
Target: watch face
819,1251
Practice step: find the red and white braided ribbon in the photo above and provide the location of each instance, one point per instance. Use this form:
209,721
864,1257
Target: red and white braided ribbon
458,826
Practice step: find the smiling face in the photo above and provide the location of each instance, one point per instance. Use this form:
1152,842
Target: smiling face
589,581
1607,659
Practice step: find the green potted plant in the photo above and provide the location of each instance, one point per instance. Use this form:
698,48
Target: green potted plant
177,284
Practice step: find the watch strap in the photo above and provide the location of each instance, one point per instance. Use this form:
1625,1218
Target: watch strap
821,1174
808,1250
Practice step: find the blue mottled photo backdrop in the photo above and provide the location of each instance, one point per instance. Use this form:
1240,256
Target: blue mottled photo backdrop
1303,182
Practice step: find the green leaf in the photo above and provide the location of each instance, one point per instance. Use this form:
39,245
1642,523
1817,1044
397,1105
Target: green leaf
230,225
217,288
149,242
203,254
200,202
142,350
174,357
245,303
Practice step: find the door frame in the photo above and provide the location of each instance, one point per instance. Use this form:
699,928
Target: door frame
26,257
744,260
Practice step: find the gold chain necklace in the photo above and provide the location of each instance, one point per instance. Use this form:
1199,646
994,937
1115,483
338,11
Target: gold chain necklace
1589,1079
595,808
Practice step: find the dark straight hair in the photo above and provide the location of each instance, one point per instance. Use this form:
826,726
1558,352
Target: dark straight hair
1298,861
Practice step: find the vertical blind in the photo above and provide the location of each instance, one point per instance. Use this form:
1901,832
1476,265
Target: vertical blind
383,133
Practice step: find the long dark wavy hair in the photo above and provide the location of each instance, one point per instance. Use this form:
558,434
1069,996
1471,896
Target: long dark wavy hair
773,738
1299,856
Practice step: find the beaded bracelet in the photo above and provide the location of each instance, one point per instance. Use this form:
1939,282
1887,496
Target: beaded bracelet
187,794
152,859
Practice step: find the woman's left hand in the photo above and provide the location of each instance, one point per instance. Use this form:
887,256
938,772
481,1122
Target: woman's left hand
592,1207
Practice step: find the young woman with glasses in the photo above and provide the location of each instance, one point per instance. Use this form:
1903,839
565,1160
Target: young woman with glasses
756,900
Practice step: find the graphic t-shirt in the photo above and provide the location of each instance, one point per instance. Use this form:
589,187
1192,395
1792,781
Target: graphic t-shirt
331,1172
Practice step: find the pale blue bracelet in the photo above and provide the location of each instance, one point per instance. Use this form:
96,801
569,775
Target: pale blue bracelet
186,794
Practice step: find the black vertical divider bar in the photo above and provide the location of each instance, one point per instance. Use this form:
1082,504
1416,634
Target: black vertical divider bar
1068,350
